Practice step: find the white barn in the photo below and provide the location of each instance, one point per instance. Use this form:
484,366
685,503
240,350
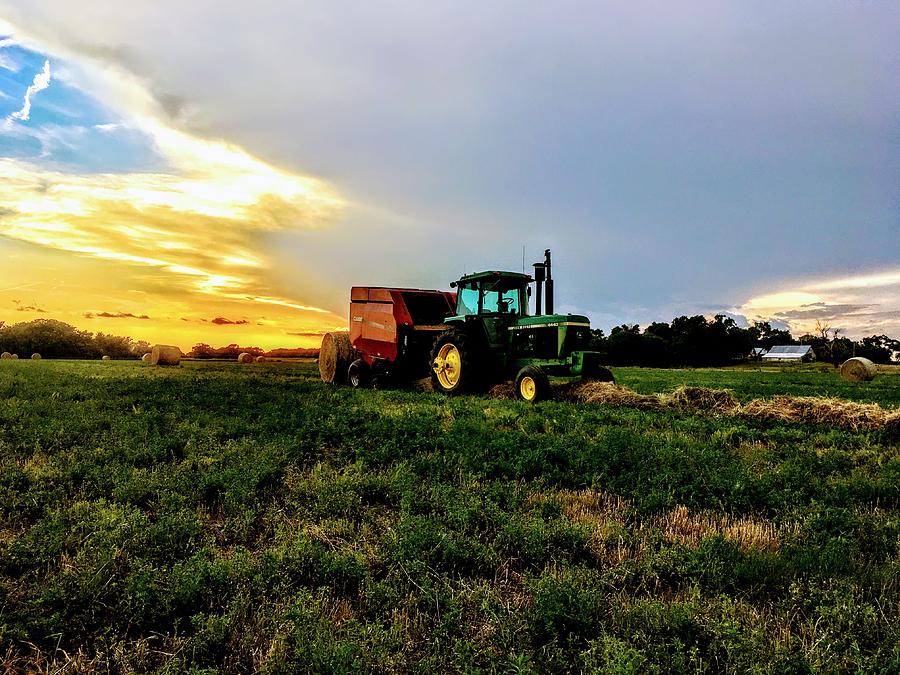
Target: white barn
794,353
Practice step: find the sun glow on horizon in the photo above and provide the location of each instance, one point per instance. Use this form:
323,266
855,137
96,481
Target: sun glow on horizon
191,239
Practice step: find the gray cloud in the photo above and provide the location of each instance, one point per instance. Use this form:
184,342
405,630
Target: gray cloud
671,154
222,321
114,315
824,311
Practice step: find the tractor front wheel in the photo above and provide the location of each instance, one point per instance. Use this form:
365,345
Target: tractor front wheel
454,367
533,385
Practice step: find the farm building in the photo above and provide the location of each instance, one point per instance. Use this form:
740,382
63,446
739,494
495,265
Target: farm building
798,353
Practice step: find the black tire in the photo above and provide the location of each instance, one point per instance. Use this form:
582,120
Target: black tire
533,385
469,377
358,374
599,374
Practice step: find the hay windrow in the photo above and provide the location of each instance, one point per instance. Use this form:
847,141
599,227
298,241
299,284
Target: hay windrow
607,393
504,390
820,410
798,409
703,398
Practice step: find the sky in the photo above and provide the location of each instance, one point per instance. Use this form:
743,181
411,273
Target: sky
224,172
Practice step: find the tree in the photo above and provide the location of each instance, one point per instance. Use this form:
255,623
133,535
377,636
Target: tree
55,339
767,337
878,348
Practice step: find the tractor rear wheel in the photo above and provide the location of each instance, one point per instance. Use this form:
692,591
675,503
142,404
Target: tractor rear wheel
533,385
358,374
454,364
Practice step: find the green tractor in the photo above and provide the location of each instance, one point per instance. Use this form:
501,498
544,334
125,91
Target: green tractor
493,339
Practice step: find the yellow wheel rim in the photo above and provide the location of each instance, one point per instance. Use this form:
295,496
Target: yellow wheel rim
448,366
528,388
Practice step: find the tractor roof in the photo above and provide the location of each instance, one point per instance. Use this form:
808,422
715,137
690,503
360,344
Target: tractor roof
517,278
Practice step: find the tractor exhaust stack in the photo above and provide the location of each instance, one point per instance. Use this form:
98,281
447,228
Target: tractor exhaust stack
543,276
539,271
548,301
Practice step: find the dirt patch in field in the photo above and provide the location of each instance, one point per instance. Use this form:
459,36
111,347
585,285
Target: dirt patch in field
803,409
607,517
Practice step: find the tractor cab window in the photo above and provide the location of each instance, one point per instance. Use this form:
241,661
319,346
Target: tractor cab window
467,302
501,301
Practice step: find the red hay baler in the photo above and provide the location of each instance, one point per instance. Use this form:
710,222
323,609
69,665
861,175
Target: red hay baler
393,330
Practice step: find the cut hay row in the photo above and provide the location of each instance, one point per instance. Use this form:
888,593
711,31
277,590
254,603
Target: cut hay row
803,409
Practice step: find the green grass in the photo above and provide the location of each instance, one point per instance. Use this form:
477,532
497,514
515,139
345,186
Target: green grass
236,518
765,381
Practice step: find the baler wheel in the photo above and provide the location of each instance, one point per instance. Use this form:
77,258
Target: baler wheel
454,369
533,385
358,374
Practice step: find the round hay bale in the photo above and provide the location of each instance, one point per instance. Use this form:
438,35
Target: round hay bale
260,359
145,357
106,357
15,357
5,356
164,355
335,357
35,357
858,369
245,358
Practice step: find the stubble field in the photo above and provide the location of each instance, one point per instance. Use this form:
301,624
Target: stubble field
217,517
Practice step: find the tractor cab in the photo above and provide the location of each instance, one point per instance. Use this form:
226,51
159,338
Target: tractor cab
497,294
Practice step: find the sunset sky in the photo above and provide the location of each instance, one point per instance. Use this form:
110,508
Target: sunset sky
201,171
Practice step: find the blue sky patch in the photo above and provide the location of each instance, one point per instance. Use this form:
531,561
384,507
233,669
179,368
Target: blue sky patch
66,127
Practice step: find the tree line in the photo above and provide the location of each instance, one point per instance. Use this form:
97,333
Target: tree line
55,340
697,341
685,341
232,351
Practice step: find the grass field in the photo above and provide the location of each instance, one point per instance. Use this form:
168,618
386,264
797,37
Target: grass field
236,518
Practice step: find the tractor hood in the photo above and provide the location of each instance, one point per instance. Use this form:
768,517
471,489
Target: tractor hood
552,321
